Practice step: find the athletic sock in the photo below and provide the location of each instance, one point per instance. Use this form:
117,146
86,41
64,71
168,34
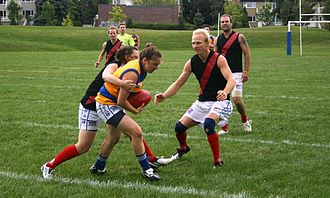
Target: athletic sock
225,128
151,157
143,160
67,153
182,138
213,140
101,162
244,118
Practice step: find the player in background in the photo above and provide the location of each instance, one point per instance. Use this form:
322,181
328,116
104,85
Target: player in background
231,45
136,39
212,38
109,47
213,105
112,100
124,37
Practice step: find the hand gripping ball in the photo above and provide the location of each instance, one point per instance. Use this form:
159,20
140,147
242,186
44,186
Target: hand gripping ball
139,98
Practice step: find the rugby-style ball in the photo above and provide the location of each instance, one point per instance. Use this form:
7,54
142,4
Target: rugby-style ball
139,98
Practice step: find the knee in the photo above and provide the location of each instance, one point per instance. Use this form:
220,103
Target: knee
137,135
237,100
209,125
180,128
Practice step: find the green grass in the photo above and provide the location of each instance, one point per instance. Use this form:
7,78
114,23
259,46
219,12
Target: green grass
287,155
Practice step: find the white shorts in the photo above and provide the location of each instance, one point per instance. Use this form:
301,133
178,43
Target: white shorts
88,119
238,89
110,114
200,110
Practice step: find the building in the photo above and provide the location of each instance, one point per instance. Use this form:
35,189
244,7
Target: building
142,14
28,8
253,7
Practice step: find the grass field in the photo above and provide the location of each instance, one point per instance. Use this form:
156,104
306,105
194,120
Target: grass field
287,155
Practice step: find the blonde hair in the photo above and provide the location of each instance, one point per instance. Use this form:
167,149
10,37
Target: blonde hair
203,32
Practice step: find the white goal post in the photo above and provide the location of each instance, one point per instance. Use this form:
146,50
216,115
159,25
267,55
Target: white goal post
289,35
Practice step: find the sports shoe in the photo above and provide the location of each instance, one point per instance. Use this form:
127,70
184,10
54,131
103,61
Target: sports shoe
247,126
161,161
150,174
46,171
95,170
222,132
218,163
179,152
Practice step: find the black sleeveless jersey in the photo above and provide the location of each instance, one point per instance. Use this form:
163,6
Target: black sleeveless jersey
234,54
216,80
88,100
108,47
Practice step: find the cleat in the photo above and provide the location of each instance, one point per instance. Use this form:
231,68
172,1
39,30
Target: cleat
179,153
222,132
247,126
218,163
150,174
95,170
161,161
46,171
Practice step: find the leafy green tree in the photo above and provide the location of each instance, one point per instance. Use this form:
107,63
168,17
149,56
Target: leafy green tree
198,20
47,13
67,21
117,14
14,15
266,15
245,18
234,10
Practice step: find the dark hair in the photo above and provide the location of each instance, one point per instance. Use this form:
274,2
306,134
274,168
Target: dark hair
149,45
150,52
227,15
207,25
124,51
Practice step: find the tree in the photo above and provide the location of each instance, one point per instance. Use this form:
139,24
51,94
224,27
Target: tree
14,10
266,15
245,18
327,10
67,21
47,13
198,20
117,14
284,13
216,6
234,11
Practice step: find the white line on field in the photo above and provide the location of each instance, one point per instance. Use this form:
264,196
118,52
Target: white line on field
157,134
126,185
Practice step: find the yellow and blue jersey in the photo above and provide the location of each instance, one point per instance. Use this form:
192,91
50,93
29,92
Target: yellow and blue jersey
108,93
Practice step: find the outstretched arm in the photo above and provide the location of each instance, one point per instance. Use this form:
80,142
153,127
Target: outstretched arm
174,87
247,56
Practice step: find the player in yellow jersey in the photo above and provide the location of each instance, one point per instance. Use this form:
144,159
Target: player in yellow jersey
112,100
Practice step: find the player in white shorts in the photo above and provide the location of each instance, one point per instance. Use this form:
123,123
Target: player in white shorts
213,105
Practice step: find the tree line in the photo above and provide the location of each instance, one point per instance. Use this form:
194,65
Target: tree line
196,12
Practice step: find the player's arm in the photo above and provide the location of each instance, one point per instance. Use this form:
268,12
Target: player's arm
138,45
100,58
108,77
247,56
215,44
174,87
226,72
123,94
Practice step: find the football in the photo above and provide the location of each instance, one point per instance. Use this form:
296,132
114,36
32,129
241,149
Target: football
139,98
